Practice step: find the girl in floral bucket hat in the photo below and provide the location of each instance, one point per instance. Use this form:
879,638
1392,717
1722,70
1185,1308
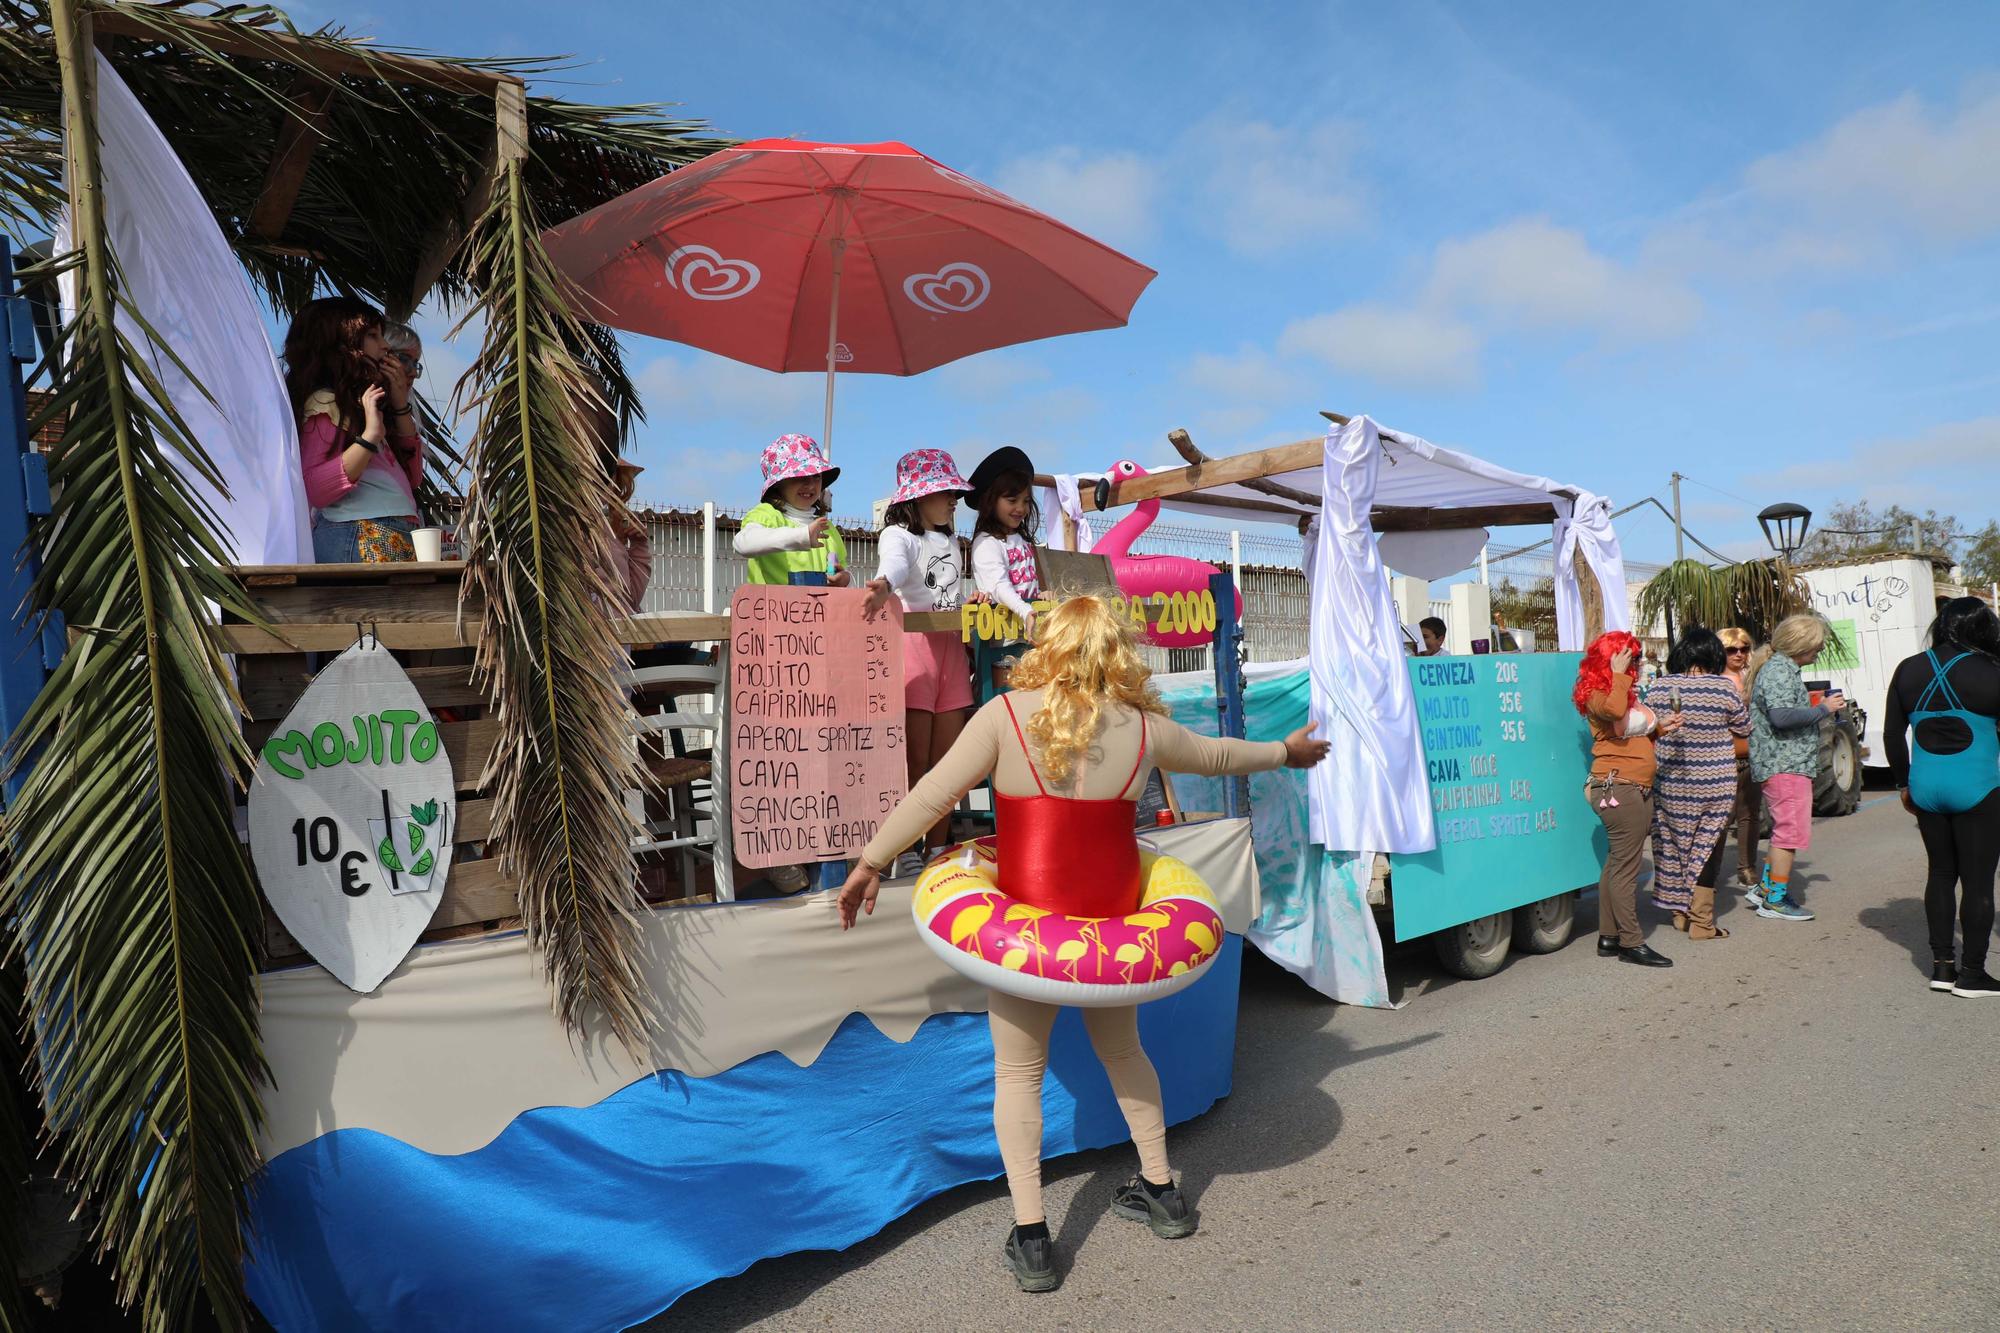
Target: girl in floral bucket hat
790,533
920,565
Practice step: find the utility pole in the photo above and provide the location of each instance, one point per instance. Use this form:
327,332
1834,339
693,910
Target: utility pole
1680,544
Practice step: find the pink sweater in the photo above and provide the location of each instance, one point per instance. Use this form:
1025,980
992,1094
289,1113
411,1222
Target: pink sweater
321,443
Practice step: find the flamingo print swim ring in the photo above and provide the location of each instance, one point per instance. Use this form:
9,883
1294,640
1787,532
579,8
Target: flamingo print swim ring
1090,962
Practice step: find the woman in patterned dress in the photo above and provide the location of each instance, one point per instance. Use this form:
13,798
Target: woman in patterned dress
1696,787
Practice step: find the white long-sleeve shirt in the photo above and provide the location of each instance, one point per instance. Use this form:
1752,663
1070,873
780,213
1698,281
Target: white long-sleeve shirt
752,540
923,571
1004,569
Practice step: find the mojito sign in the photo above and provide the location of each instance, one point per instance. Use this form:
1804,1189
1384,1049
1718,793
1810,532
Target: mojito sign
351,817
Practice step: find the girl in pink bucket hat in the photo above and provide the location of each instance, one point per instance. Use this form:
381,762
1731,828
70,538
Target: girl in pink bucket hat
790,533
920,565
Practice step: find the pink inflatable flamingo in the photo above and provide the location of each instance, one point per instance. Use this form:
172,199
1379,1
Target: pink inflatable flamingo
1145,577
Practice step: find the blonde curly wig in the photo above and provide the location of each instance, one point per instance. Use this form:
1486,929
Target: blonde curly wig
1085,656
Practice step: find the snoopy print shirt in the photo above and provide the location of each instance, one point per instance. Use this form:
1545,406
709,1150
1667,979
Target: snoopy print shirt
922,570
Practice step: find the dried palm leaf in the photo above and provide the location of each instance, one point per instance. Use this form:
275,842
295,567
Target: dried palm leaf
536,548
134,907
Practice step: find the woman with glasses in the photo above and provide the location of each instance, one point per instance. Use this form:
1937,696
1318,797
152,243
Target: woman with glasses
1736,647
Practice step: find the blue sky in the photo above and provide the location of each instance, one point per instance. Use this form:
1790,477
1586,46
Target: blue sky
1759,245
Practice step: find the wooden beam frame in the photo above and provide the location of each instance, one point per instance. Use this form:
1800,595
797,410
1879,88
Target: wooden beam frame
298,139
237,39
1254,470
509,144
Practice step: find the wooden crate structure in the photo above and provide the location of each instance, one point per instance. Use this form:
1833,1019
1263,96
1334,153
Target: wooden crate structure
319,610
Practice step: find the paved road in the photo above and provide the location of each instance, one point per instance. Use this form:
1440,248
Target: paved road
1786,1130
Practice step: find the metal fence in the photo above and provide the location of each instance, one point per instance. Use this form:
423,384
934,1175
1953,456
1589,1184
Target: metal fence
693,555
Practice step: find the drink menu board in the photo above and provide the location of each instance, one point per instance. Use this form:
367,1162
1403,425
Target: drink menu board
815,718
1507,755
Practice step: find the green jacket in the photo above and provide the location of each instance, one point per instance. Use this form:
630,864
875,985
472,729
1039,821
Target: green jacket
779,566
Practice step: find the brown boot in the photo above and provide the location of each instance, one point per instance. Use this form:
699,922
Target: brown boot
1701,915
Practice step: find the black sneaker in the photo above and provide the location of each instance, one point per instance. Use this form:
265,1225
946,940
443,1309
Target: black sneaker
1033,1261
1974,984
1944,974
1167,1212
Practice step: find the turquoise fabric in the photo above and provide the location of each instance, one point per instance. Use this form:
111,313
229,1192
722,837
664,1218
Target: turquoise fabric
1314,919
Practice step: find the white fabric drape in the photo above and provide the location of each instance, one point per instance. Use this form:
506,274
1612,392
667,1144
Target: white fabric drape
1372,794
177,270
1585,528
1431,555
1061,499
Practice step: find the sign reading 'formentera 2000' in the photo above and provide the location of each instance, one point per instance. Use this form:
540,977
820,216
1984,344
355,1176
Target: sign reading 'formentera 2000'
351,817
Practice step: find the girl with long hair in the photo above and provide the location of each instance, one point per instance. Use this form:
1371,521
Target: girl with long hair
358,442
1947,700
1695,788
1004,523
1620,787
1784,753
1065,752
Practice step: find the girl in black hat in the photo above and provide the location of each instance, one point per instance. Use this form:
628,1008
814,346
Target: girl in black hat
1003,542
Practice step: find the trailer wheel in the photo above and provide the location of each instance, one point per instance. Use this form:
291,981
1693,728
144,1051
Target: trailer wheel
1545,927
1477,948
1837,790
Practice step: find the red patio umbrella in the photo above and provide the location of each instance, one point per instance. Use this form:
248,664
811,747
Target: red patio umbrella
856,257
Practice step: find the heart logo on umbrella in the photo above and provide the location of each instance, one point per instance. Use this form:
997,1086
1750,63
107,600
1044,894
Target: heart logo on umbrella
706,276
952,290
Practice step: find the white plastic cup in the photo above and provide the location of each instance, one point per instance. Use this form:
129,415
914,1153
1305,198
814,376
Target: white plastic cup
429,543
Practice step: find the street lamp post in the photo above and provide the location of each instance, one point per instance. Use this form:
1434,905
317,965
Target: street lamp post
1785,526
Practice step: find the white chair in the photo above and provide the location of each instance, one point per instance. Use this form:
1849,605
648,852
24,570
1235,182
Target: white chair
683,772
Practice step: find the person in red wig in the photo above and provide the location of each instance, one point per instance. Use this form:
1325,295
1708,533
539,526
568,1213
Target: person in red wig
1620,788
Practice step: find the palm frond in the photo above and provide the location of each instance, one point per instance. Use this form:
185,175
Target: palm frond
535,538
15,1136
1753,595
1687,592
136,915
1763,592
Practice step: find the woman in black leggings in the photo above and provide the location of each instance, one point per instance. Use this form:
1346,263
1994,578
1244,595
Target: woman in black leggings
1948,699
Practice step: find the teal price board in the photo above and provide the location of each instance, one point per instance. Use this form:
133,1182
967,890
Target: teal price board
1507,755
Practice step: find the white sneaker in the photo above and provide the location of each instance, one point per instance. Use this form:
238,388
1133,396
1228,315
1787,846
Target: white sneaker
786,879
908,866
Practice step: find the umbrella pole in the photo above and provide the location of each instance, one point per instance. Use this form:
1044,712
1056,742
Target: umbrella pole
832,344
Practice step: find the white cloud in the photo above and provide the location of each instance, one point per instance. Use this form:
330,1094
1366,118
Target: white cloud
1249,374
1414,348
698,384
1902,165
1541,276
1108,196
989,376
1949,466
1269,188
1882,184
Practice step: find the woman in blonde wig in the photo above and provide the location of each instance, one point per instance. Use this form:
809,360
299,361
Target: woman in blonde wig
1784,753
1068,749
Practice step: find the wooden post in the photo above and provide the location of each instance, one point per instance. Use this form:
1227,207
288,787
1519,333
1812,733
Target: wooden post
1593,598
509,144
298,138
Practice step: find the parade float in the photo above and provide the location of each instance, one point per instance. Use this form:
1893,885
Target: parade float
351,997
1451,807
331,909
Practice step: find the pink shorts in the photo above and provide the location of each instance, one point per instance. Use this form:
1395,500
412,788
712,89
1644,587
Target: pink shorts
937,675
1789,798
